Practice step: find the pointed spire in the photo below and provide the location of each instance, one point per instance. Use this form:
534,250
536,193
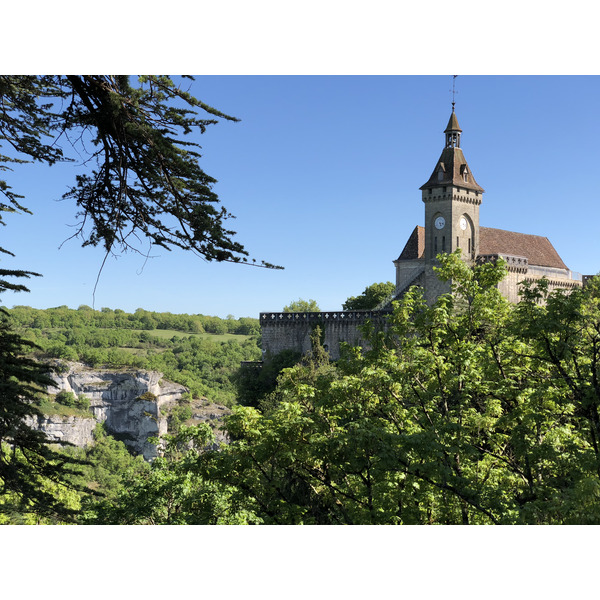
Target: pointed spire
452,168
453,131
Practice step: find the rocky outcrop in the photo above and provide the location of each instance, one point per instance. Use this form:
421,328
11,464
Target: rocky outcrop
133,404
74,430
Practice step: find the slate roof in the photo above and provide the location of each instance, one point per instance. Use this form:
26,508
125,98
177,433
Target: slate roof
452,162
453,123
537,249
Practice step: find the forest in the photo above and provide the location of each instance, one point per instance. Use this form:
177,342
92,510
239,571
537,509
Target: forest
470,411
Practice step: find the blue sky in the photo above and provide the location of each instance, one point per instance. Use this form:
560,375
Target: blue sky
323,175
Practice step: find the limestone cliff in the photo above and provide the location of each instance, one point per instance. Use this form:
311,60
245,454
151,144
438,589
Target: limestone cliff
76,430
134,404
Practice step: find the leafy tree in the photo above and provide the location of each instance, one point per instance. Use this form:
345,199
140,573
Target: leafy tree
468,411
255,382
173,492
66,398
109,463
144,180
301,305
31,473
372,296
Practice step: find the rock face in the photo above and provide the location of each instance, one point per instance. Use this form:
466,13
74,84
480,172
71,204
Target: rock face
132,403
75,430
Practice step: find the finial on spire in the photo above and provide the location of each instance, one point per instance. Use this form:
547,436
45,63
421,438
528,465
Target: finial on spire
453,90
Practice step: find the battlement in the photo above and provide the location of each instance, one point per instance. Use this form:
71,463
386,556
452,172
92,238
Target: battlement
291,331
322,316
515,264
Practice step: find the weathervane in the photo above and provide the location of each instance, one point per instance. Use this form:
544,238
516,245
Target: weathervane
453,90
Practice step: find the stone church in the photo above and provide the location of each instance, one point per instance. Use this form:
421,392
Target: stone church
452,199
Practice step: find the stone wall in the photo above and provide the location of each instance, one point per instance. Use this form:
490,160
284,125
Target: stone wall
519,270
407,272
291,331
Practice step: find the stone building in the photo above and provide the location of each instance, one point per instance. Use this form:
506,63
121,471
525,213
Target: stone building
452,199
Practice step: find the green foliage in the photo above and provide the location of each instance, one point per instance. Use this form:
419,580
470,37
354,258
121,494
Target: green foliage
33,476
66,398
371,297
470,411
109,463
179,414
255,381
173,492
205,366
119,324
301,305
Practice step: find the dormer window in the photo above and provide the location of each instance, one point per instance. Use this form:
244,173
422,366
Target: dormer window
441,171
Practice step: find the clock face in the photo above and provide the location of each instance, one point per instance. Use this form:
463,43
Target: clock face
463,223
440,222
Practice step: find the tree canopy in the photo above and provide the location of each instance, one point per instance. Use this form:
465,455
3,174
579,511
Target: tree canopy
301,305
371,297
469,411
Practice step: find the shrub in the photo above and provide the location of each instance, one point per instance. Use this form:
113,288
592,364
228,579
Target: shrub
66,398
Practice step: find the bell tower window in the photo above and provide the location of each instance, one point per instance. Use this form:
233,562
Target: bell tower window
452,139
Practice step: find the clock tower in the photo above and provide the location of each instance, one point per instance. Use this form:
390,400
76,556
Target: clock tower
452,198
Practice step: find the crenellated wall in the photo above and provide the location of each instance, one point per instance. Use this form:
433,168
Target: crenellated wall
519,270
291,331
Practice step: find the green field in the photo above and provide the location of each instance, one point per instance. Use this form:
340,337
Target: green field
167,334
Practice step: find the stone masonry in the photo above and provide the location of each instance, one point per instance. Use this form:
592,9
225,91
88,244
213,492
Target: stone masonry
291,331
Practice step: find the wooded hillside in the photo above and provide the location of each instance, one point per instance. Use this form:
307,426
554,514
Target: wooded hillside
201,352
